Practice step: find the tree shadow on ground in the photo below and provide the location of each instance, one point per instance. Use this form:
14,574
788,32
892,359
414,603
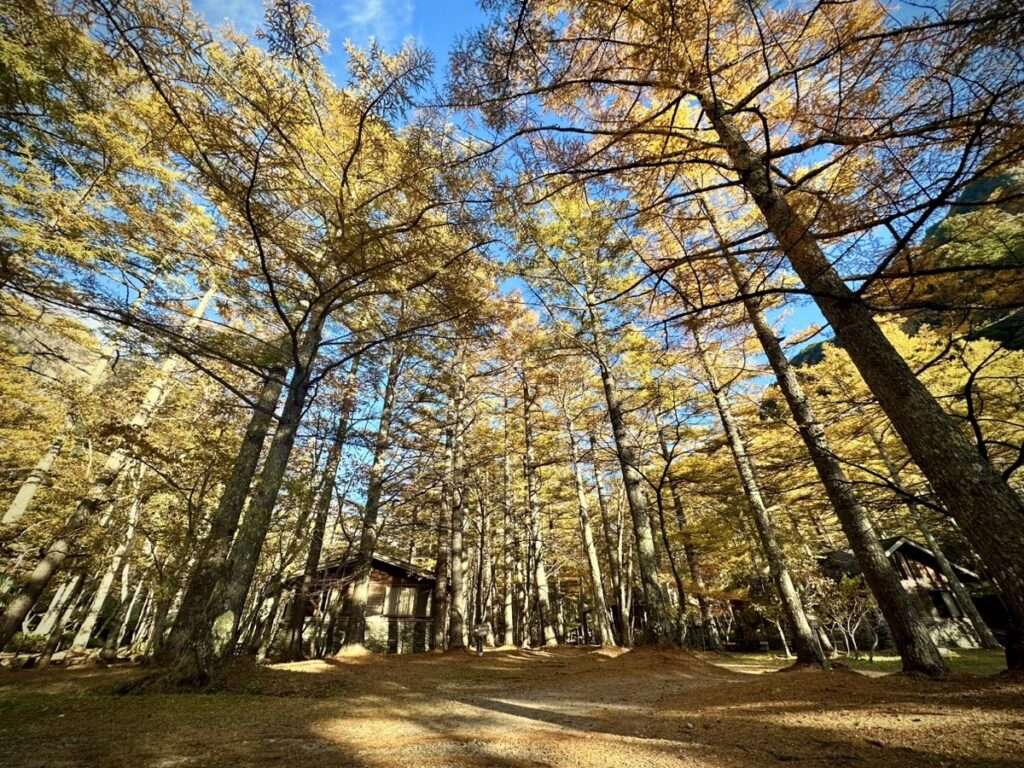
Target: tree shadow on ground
742,739
511,710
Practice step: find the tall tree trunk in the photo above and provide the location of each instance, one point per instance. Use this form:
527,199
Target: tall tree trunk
57,631
210,561
484,575
963,598
355,634
709,631
97,495
508,541
457,629
458,607
256,621
252,533
144,627
613,548
673,566
485,607
545,617
41,470
414,534
600,624
807,649
529,595
88,625
557,608
915,646
266,637
782,637
56,606
659,627
212,638
522,583
138,612
120,617
989,511
297,613
627,586
155,640
36,477
444,542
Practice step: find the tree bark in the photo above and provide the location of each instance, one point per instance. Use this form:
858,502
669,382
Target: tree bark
248,543
963,598
916,648
212,557
121,615
614,550
439,628
487,574
138,614
989,511
297,613
212,638
155,641
544,617
673,566
56,606
484,575
508,541
457,629
807,649
97,495
659,628
266,637
355,634
57,631
88,625
709,631
599,623
36,477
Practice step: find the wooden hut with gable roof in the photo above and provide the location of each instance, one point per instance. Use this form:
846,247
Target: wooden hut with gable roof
398,608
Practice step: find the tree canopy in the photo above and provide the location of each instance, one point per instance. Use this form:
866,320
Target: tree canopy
617,334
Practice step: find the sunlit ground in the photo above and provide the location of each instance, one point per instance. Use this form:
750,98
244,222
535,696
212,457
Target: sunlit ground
567,707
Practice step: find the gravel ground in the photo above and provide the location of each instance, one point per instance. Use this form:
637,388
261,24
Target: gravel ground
566,707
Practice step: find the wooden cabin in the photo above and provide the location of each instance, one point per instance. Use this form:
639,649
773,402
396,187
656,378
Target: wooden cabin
921,577
398,607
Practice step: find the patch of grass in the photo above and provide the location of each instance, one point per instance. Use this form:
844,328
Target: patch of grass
970,661
973,661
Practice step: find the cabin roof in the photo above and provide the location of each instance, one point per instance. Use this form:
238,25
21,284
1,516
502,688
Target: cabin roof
915,549
344,564
844,561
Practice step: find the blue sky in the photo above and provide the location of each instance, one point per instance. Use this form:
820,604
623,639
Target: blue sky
434,25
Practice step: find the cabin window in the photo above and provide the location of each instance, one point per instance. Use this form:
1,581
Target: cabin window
944,604
401,601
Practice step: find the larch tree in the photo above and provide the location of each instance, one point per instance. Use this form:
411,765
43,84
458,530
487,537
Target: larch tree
639,92
265,325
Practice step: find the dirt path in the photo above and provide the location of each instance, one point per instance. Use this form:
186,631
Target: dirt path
569,707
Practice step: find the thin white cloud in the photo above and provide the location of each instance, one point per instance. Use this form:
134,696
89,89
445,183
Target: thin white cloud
243,15
388,21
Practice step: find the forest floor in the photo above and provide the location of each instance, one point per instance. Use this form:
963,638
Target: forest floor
514,709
